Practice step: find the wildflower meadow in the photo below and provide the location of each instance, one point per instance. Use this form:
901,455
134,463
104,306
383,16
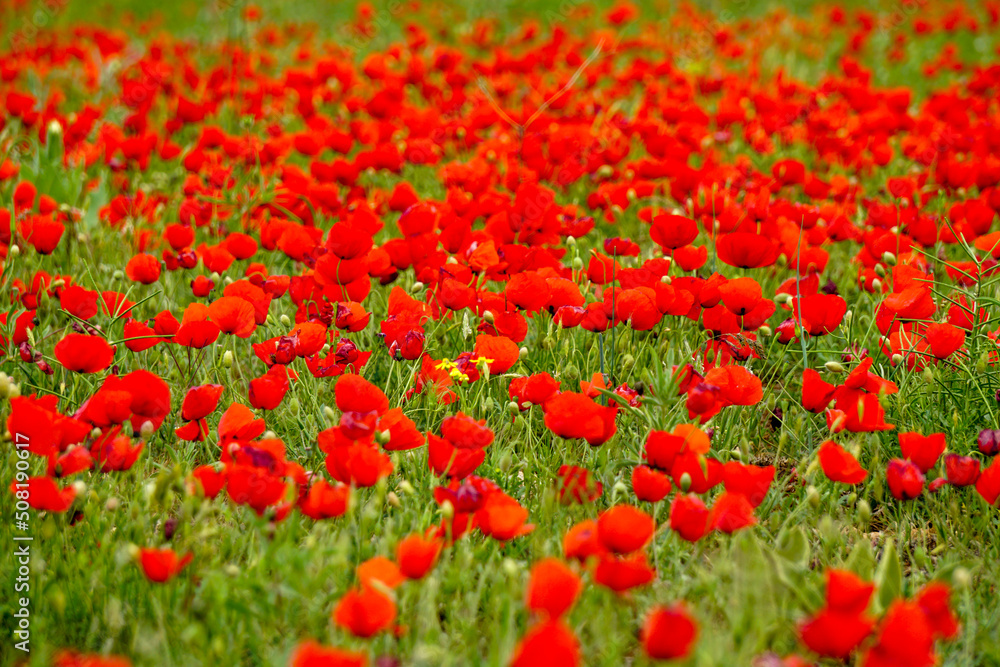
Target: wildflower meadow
535,333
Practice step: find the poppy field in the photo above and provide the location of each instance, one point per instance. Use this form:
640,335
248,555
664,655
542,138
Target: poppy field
500,333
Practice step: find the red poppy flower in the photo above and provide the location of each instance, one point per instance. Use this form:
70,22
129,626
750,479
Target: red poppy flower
689,517
324,500
233,315
746,250
820,314
624,529
673,231
364,612
961,470
502,352
905,637
988,484
731,512
552,588
750,481
199,402
162,565
840,465
924,451
115,452
906,482
570,415
623,573
143,268
416,555
82,353
313,654
547,644
44,494
649,484
668,633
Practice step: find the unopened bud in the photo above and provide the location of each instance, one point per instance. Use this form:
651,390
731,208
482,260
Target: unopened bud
285,320
812,495
447,509
834,367
146,430
864,512
488,316
227,359
889,258
393,499
405,487
685,482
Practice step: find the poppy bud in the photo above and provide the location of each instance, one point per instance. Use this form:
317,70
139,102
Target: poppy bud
666,280
989,442
783,298
577,262
628,362
889,258
876,285
896,359
522,352
512,408
417,287
4,385
961,578
765,330
285,320
880,271
685,482
133,551
406,487
510,567
834,367
293,405
227,359
505,461
447,510
393,499
828,529
812,495
864,512
14,250
981,363
112,504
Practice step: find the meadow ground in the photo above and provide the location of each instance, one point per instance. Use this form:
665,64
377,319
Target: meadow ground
533,333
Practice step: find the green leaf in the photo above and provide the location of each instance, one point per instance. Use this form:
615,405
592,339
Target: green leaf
793,546
862,560
888,576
